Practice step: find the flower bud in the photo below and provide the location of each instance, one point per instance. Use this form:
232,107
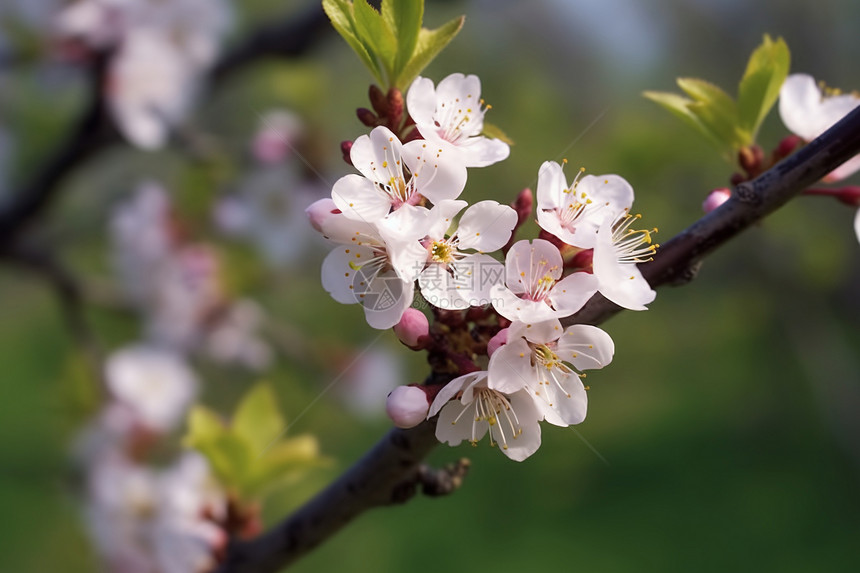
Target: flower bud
583,261
716,198
319,211
407,406
496,342
395,109
787,146
523,205
412,326
750,159
367,117
346,148
378,100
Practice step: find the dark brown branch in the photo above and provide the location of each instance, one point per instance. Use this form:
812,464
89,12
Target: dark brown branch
377,479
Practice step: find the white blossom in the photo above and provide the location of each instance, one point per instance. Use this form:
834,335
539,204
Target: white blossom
451,115
468,409
574,212
808,110
534,289
617,253
547,361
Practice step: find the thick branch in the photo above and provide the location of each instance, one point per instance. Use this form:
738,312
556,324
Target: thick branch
377,479
385,475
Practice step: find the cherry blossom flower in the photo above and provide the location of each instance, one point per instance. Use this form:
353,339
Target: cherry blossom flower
452,115
574,212
395,177
468,409
379,273
808,110
156,386
616,254
548,362
453,278
534,289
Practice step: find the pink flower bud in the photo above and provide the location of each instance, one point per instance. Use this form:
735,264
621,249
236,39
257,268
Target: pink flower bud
716,198
319,211
496,342
412,326
407,406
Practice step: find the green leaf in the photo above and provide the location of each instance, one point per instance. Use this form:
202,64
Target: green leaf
680,106
284,462
231,459
375,34
495,132
403,18
716,110
429,44
759,89
204,426
340,12
258,419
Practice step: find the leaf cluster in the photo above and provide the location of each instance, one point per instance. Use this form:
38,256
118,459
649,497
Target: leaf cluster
732,124
391,42
252,455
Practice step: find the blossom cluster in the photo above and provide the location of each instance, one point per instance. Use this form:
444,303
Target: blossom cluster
400,222
158,52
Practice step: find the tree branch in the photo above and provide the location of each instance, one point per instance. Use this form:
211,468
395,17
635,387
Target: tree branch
377,479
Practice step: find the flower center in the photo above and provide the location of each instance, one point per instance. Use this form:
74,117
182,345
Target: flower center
442,251
493,407
455,120
632,246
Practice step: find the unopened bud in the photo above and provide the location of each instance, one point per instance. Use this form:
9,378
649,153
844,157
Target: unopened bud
496,342
412,326
395,109
523,205
377,100
407,406
583,261
319,211
716,198
787,146
346,148
750,158
367,117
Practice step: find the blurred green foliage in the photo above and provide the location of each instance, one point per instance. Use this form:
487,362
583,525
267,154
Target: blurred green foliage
724,435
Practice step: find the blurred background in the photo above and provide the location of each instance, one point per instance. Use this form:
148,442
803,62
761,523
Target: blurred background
725,434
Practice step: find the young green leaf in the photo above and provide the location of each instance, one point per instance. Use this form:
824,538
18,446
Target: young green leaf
340,12
375,34
495,132
258,419
429,44
759,89
680,106
404,18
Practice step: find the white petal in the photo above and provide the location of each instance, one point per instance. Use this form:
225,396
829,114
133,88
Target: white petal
359,199
386,299
439,288
340,229
538,332
441,216
572,292
378,155
857,224
510,368
474,276
509,305
451,388
623,284
421,101
339,277
454,425
486,226
551,185
565,405
526,262
437,172
799,106
480,151
408,222
528,416
586,347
